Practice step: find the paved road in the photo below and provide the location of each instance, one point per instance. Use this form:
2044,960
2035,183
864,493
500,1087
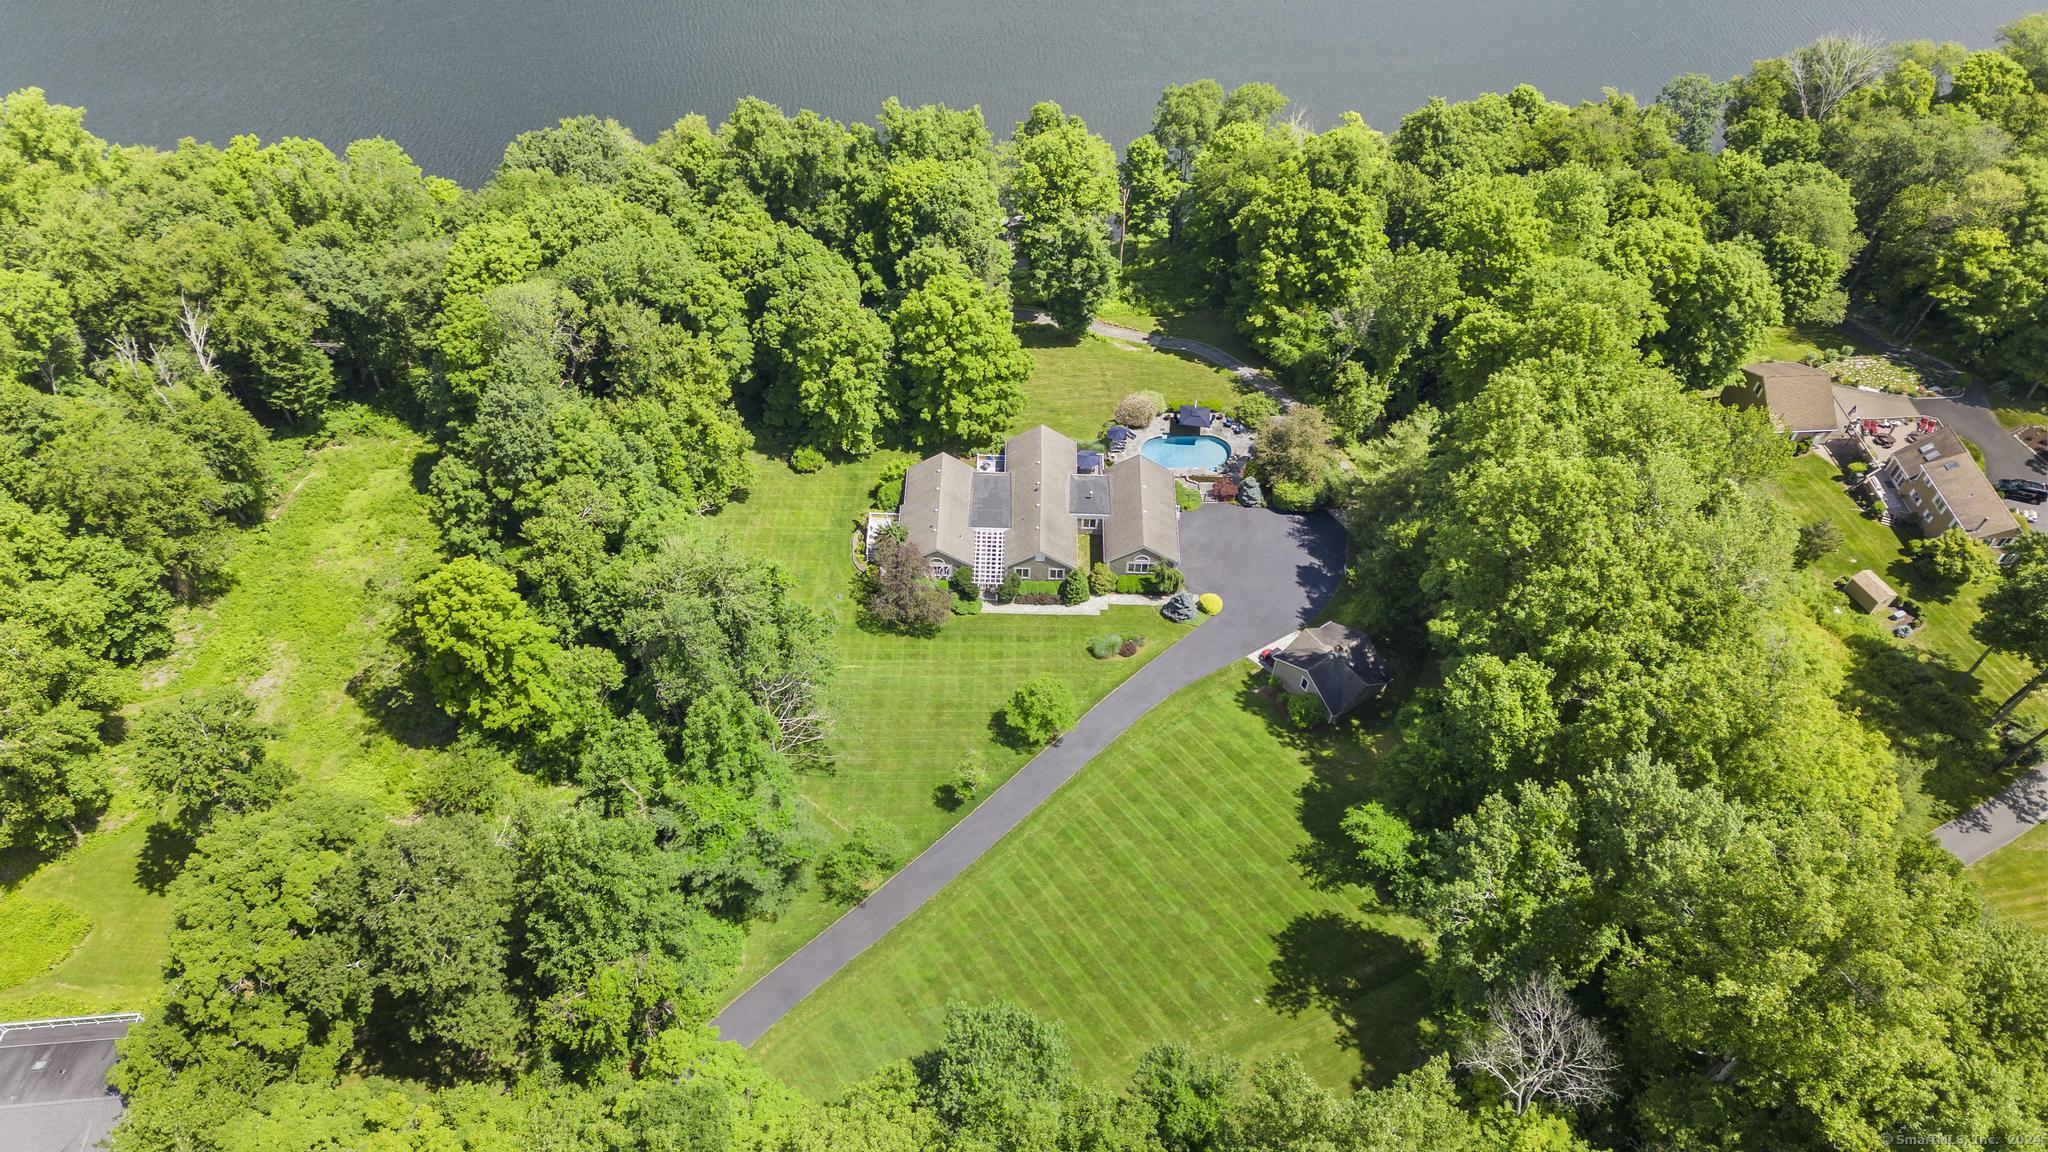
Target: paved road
1998,821
1274,573
53,1087
2005,458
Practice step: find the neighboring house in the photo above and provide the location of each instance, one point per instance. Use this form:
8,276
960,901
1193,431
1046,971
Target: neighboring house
1337,665
1935,475
1024,511
1868,591
1806,404
1800,398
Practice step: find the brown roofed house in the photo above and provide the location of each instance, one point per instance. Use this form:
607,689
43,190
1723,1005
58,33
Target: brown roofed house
1800,397
1937,477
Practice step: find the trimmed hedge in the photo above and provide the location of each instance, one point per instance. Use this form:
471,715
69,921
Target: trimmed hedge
1138,583
1038,587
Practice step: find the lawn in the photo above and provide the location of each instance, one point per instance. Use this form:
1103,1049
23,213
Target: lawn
908,708
308,592
1932,666
2014,879
1075,384
1791,342
1157,896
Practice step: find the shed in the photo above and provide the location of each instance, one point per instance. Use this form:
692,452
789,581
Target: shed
1870,593
1338,665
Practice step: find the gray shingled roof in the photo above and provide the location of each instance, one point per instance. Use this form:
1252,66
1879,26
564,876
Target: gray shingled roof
938,493
1342,662
991,507
1147,516
1040,462
1088,496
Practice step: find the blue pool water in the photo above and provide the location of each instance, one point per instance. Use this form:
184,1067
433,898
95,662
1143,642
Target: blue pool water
1187,451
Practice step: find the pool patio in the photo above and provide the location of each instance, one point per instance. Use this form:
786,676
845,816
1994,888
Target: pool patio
1240,442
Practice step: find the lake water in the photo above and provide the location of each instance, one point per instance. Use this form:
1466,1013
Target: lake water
453,80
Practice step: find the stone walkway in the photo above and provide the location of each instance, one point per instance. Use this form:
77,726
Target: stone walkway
1274,573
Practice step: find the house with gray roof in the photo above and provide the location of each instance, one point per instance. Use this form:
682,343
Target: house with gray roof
1335,664
1024,511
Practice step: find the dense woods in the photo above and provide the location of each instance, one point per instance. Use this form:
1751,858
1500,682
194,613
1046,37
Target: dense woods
1631,804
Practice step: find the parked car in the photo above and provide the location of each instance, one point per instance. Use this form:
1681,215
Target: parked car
2025,491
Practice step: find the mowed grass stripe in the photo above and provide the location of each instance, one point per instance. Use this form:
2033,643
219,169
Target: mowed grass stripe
2014,879
1143,902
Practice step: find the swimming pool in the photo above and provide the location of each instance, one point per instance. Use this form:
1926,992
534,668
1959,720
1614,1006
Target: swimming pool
1202,452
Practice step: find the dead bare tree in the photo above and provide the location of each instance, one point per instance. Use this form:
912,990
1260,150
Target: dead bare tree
802,725
1537,1044
1831,69
193,324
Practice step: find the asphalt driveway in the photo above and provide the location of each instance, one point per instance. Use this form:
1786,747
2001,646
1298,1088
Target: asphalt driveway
53,1086
1274,573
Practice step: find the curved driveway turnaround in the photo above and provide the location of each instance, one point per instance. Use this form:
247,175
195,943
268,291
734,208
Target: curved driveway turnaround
1274,573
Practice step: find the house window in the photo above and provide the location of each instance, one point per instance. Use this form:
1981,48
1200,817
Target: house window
1916,497
1090,523
1055,573
1138,564
942,570
1022,571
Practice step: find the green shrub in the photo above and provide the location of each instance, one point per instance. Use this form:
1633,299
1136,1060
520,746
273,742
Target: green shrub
1254,408
966,607
858,865
474,779
963,583
1074,588
1187,496
1038,587
1953,558
1293,496
1858,467
1138,583
1169,580
970,776
1011,587
1138,409
1101,579
1103,647
1211,604
1305,711
1041,709
888,491
806,460
35,935
1816,539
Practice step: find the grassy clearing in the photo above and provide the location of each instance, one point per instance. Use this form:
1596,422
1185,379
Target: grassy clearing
35,934
908,709
1919,690
1075,384
2014,879
308,594
1160,895
1791,342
